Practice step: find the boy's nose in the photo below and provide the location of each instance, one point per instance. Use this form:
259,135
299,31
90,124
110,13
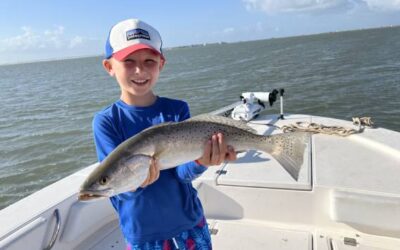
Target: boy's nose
138,68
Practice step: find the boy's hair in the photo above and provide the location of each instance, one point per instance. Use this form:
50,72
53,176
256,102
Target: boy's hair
131,35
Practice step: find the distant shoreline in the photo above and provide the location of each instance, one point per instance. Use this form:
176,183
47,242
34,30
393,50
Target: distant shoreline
200,45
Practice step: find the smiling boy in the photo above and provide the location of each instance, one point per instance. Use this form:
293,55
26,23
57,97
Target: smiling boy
166,214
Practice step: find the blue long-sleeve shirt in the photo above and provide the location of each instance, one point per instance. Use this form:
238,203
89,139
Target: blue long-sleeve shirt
168,206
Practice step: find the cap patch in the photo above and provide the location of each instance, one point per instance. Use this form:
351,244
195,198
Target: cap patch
137,34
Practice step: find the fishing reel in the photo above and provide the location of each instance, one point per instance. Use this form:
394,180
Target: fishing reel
253,103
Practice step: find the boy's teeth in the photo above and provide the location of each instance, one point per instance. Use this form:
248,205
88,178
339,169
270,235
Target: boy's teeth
140,81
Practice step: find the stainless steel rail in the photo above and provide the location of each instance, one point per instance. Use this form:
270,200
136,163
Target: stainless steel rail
56,230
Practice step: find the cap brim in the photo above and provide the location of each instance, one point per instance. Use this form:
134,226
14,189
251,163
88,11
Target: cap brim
124,53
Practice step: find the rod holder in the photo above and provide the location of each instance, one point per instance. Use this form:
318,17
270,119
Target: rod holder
281,91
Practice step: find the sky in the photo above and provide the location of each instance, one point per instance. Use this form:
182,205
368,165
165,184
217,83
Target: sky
56,29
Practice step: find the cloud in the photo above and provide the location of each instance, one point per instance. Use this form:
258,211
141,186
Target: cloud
54,43
76,41
273,6
32,40
228,30
23,41
259,27
383,5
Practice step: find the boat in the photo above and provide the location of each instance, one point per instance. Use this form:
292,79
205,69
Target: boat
347,197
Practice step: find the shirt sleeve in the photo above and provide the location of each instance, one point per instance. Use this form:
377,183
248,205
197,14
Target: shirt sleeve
106,138
189,171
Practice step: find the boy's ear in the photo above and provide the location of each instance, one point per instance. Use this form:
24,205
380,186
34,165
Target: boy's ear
107,65
162,63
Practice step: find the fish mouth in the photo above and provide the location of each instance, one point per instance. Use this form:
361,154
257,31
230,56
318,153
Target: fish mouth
91,195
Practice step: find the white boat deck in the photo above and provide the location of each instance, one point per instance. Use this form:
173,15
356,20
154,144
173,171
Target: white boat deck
347,198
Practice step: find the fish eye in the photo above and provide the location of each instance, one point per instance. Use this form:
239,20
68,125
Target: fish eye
103,180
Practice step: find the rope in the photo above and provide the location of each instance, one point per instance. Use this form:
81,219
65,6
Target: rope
361,122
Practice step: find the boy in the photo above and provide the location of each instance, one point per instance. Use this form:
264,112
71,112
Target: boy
166,214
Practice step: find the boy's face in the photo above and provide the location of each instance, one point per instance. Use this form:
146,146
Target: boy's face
136,75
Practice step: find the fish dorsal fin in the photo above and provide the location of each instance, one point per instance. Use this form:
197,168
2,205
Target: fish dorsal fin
162,124
222,120
152,128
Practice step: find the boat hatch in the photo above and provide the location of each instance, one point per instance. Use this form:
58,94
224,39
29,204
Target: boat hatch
252,235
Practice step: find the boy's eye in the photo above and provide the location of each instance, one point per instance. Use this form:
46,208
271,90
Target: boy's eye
128,61
150,61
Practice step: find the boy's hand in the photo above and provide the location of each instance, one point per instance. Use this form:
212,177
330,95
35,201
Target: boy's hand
216,152
154,173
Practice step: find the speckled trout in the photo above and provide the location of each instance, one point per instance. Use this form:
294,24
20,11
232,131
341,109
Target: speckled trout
172,144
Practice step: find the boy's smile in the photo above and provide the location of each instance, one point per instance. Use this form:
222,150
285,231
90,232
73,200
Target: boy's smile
136,75
140,82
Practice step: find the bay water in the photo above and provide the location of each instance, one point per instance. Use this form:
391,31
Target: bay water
47,107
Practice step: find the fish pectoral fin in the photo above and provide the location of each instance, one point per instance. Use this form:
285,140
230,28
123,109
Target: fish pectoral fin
138,166
137,160
159,154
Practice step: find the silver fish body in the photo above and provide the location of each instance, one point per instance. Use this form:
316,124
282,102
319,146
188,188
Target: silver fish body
172,144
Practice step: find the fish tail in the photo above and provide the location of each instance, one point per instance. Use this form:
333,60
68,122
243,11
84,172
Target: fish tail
288,149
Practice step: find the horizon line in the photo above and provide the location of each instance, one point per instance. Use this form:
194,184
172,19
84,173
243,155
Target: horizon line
195,45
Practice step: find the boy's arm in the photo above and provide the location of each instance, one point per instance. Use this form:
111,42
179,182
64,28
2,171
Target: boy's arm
189,171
